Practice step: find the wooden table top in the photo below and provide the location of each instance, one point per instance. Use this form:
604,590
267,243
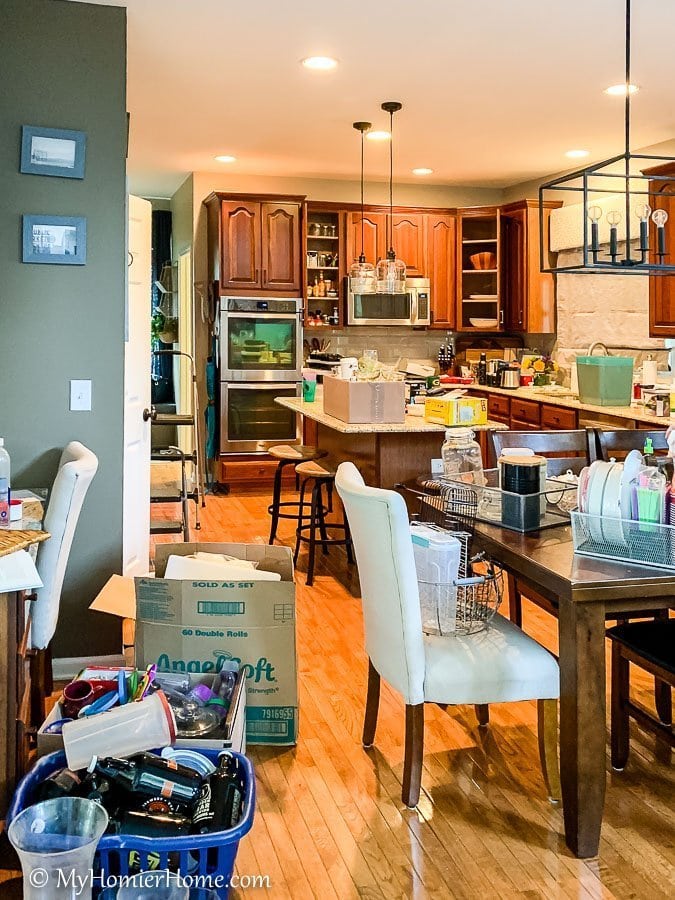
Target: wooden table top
12,539
547,558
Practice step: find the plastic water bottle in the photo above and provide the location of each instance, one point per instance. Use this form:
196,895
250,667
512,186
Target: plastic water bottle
4,485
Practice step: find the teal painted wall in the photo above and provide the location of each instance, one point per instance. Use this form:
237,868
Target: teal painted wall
63,65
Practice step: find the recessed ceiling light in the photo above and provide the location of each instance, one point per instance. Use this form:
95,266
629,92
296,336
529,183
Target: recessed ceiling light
378,135
577,154
323,63
422,171
619,90
226,159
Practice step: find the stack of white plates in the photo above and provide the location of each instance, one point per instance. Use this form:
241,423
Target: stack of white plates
605,495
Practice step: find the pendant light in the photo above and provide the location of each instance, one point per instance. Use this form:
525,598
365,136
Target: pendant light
390,270
362,273
615,201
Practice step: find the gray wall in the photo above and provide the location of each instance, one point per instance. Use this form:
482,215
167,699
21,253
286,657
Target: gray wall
64,65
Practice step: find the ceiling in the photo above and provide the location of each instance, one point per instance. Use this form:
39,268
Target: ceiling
493,93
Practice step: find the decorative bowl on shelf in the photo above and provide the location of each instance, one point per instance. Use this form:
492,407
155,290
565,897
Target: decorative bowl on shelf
484,323
484,260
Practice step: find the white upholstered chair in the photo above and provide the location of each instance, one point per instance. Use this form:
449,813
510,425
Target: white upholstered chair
77,468
494,666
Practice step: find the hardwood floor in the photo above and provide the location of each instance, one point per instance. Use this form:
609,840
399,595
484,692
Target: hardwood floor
330,822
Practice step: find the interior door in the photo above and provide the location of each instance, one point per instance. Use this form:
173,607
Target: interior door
241,250
136,472
281,246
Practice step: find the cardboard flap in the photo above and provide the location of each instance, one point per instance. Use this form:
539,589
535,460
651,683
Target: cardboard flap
117,597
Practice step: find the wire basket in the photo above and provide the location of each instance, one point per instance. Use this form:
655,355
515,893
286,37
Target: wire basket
467,604
624,539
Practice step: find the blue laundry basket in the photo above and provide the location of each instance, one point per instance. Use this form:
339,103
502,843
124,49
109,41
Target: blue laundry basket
193,855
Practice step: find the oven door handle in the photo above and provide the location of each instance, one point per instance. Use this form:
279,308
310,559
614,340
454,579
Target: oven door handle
258,386
258,314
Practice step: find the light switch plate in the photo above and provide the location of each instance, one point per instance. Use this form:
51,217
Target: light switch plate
80,396
436,466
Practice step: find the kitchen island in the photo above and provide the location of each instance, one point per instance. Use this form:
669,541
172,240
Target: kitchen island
385,454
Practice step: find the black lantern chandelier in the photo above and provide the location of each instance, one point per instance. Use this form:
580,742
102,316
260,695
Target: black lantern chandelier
618,202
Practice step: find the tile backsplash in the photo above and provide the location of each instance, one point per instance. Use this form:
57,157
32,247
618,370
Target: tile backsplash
391,342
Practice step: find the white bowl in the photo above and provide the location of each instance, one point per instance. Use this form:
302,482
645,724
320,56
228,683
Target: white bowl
484,323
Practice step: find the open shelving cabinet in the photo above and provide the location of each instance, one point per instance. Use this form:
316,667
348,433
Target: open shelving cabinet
479,289
324,247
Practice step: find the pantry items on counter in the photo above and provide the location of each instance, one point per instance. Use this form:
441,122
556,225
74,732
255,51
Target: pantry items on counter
455,408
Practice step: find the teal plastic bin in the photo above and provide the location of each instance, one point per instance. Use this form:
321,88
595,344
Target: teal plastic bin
605,380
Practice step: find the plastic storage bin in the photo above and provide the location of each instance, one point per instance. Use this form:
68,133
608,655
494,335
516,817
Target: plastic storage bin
605,380
437,559
211,854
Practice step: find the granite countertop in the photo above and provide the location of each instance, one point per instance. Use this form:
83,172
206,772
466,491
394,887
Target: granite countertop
635,412
412,424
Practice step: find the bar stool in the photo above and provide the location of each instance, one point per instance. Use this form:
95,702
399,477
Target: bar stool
288,455
323,475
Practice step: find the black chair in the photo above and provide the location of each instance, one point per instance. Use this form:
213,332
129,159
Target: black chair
288,455
563,449
650,645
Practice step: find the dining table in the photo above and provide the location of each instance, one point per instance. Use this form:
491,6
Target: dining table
582,591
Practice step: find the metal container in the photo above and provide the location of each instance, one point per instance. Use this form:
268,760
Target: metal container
510,378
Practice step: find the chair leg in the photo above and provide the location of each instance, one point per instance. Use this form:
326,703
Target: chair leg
372,706
314,523
482,714
329,492
42,684
301,521
662,691
276,500
414,754
348,539
515,601
322,521
619,728
547,730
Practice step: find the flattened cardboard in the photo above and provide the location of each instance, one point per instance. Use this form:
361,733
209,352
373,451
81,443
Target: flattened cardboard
195,626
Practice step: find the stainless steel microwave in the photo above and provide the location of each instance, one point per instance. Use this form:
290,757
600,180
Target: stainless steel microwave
410,308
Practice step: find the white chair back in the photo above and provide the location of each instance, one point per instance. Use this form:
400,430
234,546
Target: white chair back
77,468
378,520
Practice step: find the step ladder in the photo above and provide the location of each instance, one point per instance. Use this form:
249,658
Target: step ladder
181,490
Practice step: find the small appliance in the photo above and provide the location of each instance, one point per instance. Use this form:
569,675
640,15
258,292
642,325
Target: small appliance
413,307
510,377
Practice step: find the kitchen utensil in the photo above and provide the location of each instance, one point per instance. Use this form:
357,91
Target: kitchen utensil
483,260
612,527
510,378
483,323
193,720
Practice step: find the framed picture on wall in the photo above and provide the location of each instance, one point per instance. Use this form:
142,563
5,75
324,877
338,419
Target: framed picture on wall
52,151
55,240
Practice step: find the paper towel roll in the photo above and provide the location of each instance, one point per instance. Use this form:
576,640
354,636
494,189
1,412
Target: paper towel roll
649,371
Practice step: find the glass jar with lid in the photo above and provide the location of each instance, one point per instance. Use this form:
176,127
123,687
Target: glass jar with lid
462,457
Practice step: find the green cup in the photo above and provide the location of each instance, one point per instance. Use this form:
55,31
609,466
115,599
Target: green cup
308,390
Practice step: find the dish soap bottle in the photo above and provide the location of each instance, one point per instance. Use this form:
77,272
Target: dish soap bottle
648,453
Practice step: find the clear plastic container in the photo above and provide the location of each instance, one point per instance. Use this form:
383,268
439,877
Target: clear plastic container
121,732
437,557
56,841
159,885
605,380
462,457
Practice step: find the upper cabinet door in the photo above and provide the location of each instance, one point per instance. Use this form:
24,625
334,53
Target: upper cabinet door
441,253
409,244
240,251
281,246
662,287
514,268
374,237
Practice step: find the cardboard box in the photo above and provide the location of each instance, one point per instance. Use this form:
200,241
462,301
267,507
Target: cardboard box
233,736
449,411
194,626
364,402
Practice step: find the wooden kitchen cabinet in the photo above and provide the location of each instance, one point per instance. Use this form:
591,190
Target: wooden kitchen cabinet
441,243
409,242
662,287
255,243
478,281
281,246
528,294
374,236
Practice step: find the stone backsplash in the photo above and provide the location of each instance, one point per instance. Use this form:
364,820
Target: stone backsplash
612,308
391,342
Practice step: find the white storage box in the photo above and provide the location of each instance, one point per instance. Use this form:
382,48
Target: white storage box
437,558
231,737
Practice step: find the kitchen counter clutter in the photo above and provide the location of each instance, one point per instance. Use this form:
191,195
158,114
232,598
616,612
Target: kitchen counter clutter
635,413
410,425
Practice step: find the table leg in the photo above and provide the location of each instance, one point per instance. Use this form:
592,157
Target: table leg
582,723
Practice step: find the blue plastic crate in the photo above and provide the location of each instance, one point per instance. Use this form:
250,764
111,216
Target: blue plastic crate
211,854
